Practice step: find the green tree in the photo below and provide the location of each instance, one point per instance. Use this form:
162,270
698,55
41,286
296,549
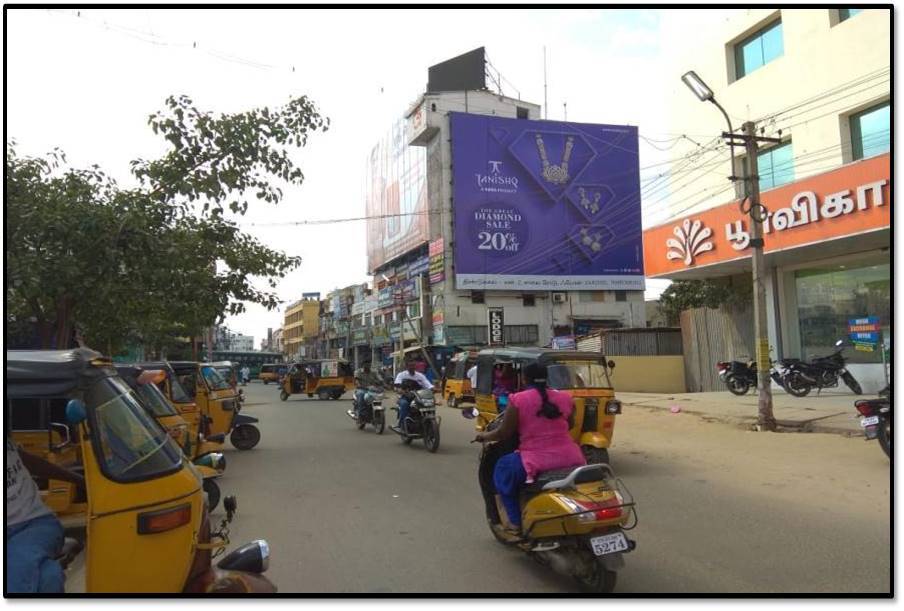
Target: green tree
141,264
687,294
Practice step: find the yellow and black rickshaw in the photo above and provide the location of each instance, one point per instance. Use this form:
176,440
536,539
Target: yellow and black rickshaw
458,387
219,402
148,529
583,375
328,379
269,372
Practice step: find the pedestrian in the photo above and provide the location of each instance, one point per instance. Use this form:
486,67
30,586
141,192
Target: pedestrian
472,377
34,536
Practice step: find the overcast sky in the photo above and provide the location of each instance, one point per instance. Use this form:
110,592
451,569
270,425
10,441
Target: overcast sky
88,83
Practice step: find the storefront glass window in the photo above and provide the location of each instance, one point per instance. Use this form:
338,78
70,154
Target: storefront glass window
828,297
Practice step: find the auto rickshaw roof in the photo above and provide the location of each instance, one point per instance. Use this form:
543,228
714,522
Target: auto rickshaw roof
539,354
164,365
222,364
51,373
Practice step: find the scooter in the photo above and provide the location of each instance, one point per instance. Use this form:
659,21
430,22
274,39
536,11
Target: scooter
371,411
573,520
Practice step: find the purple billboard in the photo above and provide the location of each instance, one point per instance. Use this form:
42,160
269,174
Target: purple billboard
545,205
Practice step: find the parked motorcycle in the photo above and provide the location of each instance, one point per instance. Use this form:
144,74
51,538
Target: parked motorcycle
422,421
574,520
876,420
740,376
371,410
820,372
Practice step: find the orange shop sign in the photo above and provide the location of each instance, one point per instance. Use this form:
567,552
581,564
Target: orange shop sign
851,200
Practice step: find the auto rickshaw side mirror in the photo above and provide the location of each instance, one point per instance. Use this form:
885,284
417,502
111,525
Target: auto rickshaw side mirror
76,412
611,364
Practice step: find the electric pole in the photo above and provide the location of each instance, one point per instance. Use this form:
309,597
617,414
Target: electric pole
757,212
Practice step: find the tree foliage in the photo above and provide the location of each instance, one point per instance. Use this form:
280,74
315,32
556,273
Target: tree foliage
141,264
687,294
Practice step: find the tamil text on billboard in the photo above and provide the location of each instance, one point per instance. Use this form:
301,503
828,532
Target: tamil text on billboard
395,198
545,205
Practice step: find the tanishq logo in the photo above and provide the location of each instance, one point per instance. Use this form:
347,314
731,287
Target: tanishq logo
496,181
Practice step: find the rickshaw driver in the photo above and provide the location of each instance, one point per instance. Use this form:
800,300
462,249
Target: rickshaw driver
409,373
34,535
364,379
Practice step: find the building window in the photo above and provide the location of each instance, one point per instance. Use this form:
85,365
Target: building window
414,309
528,301
828,297
621,295
521,334
846,13
870,134
477,297
591,296
775,166
758,50
521,112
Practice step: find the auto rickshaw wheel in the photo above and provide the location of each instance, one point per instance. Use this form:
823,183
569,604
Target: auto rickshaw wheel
452,401
213,493
245,436
336,394
595,456
323,394
283,395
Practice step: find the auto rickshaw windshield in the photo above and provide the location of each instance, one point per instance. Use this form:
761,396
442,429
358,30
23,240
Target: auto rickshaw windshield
155,401
214,380
131,445
178,392
577,374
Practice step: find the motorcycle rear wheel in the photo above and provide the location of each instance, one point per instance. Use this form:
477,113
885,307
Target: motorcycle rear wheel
885,437
737,386
853,384
797,386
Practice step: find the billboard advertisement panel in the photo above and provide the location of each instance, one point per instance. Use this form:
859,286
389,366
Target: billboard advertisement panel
395,197
545,205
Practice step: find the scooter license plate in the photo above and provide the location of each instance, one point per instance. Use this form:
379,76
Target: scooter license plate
609,544
871,421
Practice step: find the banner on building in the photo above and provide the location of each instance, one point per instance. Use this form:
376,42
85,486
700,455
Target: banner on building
564,342
310,296
864,333
495,326
437,261
545,205
419,266
439,334
396,197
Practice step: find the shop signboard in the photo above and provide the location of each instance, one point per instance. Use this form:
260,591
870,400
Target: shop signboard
458,336
864,333
439,335
385,298
496,326
419,266
545,205
395,331
380,335
359,337
437,261
395,197
564,342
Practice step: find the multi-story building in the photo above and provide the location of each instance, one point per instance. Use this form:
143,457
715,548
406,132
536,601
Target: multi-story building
241,343
818,80
301,325
420,237
293,329
276,341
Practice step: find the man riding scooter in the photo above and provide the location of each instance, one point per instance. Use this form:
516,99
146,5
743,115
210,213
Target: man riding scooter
364,379
410,374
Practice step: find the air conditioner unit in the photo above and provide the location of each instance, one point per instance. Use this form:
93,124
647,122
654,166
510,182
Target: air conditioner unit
559,298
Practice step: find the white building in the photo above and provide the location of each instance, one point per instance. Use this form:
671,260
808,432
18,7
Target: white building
241,343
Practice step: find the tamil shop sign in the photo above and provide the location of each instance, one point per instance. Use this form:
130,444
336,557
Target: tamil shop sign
852,200
545,205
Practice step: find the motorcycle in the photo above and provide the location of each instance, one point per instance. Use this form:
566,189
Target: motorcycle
371,410
821,372
422,421
740,376
876,420
574,520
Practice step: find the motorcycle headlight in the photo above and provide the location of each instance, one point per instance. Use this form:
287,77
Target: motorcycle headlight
252,557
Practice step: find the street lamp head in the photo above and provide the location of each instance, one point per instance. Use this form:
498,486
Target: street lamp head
696,84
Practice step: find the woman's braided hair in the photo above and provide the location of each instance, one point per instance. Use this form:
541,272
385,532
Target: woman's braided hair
535,374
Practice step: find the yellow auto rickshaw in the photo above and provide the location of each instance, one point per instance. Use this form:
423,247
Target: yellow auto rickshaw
328,379
219,402
269,372
148,529
458,387
144,384
583,375
204,442
229,371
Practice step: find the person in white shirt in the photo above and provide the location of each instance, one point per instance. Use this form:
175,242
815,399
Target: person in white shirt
404,403
472,376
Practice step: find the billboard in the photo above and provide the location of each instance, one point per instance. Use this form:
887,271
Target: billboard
395,197
545,205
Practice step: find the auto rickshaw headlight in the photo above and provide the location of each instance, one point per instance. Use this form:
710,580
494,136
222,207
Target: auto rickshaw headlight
613,406
252,557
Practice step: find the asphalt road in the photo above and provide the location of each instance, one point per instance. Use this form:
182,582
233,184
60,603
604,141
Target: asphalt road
720,509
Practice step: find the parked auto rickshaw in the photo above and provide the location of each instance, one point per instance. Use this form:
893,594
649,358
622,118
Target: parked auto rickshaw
458,386
328,379
205,441
148,528
229,371
219,402
583,375
144,384
269,372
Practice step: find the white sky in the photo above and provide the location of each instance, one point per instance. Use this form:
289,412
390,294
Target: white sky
87,85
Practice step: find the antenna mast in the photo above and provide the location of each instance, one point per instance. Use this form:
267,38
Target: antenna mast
545,105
